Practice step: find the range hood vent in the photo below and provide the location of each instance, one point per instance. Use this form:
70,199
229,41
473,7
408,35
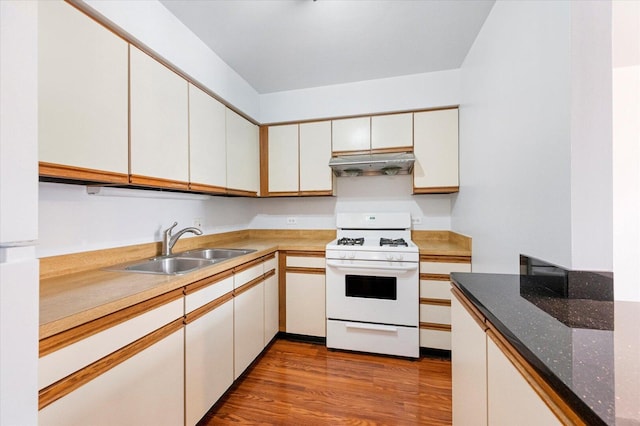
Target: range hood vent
373,164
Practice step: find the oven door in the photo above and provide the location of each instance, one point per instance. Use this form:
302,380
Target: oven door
373,291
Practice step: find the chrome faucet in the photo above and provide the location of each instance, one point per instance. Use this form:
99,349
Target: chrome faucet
168,240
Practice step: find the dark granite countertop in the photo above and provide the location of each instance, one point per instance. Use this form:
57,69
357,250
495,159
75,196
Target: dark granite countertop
587,350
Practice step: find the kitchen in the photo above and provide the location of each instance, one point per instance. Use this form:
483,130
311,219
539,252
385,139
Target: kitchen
508,195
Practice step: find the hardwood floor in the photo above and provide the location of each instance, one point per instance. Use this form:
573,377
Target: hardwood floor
297,383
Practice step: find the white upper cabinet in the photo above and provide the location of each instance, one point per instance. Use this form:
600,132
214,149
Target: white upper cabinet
351,134
82,93
159,123
283,158
436,150
243,155
392,131
207,142
315,153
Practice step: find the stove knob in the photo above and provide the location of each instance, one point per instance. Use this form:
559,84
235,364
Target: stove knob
399,257
352,255
389,257
342,255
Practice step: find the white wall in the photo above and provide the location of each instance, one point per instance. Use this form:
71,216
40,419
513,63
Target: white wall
626,150
515,159
410,92
152,24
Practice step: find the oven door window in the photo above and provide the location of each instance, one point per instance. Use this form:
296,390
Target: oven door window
371,287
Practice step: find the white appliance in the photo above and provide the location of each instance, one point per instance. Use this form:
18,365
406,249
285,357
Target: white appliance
18,212
372,285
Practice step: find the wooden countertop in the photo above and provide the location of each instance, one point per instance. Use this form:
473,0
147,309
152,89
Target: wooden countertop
75,289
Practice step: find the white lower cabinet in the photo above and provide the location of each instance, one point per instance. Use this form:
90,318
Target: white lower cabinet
305,295
487,388
208,347
144,389
510,399
248,327
468,368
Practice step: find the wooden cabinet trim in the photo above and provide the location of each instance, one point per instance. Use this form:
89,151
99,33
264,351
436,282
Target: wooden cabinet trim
158,182
198,285
435,302
435,326
315,193
241,192
65,386
205,309
80,173
472,310
435,277
68,337
444,258
209,189
295,253
269,274
263,133
437,190
393,150
299,270
247,265
282,194
248,286
550,397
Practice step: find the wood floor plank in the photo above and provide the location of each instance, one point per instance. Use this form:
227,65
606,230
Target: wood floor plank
297,383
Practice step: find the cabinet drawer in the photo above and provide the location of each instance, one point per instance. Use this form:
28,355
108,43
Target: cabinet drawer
61,363
436,339
443,267
247,275
270,264
202,297
433,289
435,314
306,262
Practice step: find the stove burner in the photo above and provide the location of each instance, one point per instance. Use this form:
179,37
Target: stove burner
389,242
351,241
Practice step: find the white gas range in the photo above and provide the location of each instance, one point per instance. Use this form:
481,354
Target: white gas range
372,285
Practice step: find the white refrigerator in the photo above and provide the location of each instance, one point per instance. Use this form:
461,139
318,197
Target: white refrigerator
18,212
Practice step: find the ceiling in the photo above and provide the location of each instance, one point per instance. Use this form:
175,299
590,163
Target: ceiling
278,45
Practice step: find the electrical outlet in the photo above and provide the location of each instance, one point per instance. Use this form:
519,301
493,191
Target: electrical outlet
416,220
197,222
292,221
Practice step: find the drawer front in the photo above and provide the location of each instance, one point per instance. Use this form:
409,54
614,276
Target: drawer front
365,337
270,265
202,297
443,267
436,339
435,314
61,363
433,289
306,262
247,275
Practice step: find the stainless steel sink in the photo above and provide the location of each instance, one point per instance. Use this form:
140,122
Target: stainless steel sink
181,263
164,265
215,254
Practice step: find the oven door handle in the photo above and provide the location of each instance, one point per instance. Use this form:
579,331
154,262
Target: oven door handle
338,265
376,327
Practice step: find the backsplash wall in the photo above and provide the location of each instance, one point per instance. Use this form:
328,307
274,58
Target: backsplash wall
70,220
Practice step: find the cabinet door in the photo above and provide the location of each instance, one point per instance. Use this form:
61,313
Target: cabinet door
392,131
283,158
351,134
435,145
271,308
208,360
147,388
82,93
243,154
207,142
159,123
511,401
248,327
306,304
468,368
315,153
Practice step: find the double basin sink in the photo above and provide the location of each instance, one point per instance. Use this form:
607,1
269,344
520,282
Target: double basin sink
181,263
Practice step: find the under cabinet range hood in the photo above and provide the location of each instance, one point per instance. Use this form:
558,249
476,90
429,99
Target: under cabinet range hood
373,164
